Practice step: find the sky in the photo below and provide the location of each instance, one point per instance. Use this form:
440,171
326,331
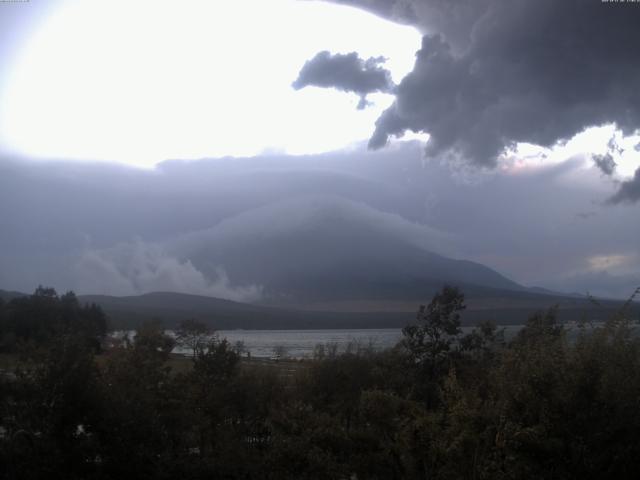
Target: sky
142,142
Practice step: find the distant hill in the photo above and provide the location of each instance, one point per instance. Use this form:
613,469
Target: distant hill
8,295
171,308
503,307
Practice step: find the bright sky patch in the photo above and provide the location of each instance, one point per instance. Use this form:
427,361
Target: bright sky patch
140,82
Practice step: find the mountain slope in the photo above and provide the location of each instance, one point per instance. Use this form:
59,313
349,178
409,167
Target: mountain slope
330,248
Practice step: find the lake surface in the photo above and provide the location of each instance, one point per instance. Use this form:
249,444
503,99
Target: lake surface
302,343
297,343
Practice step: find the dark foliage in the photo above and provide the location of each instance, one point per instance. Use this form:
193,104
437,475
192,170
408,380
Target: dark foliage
552,403
45,316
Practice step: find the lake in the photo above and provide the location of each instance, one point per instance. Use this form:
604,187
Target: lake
298,343
301,343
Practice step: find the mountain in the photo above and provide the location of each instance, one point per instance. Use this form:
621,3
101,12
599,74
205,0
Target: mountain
332,249
328,262
321,262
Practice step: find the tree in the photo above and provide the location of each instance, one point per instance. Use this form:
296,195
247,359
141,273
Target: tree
41,317
50,407
438,327
152,337
429,342
193,335
215,361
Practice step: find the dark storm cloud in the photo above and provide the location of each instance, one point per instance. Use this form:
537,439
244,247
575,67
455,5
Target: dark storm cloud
493,72
605,163
629,191
346,72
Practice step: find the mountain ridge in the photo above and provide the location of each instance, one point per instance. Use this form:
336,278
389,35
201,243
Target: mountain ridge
503,307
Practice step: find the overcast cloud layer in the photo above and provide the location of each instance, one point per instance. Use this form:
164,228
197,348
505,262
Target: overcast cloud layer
492,72
184,226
